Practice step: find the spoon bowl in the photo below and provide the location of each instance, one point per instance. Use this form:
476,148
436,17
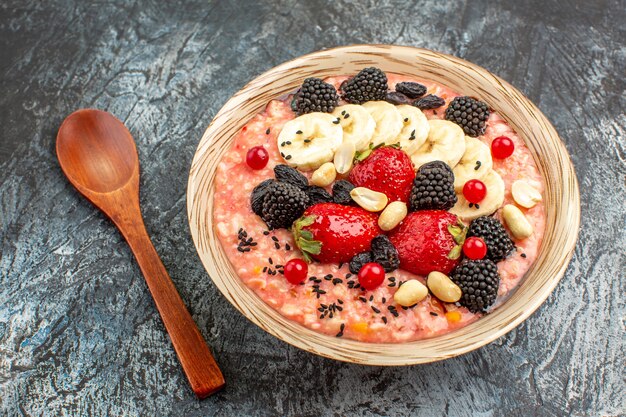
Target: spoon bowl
96,151
98,155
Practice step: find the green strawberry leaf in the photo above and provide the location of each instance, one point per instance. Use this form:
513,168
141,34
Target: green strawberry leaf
455,253
304,238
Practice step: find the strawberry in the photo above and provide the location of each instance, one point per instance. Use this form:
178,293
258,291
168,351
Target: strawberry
387,170
330,232
429,240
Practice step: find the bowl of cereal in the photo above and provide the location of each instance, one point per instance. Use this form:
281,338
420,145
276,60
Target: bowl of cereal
383,205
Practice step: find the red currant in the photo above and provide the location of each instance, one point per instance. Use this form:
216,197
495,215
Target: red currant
474,191
296,271
371,275
257,157
475,248
502,147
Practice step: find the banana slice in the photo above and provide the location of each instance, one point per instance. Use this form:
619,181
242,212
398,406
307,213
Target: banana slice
415,128
357,124
475,163
310,140
388,122
492,201
445,142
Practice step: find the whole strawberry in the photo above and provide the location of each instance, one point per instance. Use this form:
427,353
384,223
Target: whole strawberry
428,240
387,170
330,232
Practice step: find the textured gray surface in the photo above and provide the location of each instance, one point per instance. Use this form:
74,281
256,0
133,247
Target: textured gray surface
79,334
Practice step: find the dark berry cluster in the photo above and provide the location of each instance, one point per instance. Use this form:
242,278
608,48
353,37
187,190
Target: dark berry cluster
479,281
433,188
468,113
489,229
315,96
370,84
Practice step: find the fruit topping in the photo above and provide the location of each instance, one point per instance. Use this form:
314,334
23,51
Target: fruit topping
310,140
489,204
468,113
443,288
433,188
415,128
282,204
424,242
517,223
358,260
370,200
295,271
502,147
475,163
386,170
357,123
491,231
258,194
474,191
257,157
392,215
395,97
479,281
315,96
371,276
318,195
384,253
341,192
410,293
330,232
445,142
429,102
368,85
525,194
285,173
411,89
475,248
388,122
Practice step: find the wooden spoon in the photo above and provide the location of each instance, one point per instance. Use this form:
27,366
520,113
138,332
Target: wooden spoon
98,156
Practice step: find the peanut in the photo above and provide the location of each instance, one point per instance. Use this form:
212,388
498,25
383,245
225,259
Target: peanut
516,222
411,292
392,215
443,287
324,175
525,194
368,199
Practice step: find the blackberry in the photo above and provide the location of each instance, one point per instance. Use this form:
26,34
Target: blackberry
315,95
370,84
489,229
317,195
282,205
411,90
479,281
428,102
257,196
394,97
468,113
285,173
385,253
433,188
341,192
358,260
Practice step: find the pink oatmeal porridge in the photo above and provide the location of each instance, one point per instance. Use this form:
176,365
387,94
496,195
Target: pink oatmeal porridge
330,299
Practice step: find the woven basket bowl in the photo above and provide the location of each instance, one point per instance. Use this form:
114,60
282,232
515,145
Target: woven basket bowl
561,198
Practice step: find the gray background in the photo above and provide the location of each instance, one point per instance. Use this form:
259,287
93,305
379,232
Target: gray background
79,334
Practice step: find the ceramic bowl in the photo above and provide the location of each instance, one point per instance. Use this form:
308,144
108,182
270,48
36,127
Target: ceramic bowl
561,197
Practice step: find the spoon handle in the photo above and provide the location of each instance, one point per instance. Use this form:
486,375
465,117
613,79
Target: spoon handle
193,353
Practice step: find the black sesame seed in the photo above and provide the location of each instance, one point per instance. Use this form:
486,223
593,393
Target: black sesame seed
282,144
279,266
327,277
307,140
340,301
270,261
337,281
274,238
363,299
371,298
264,269
348,275
343,112
287,246
392,279
432,313
288,157
346,116
478,164
384,319
384,300
276,245
266,232
337,121
393,284
267,132
288,142
406,119
299,132
523,255
239,248
377,311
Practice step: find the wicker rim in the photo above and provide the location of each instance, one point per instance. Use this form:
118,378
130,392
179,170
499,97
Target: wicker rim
562,202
